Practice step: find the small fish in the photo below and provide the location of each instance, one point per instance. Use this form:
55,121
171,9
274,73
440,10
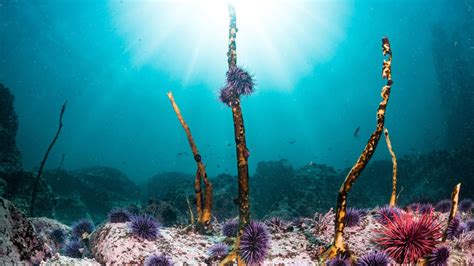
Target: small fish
292,141
228,144
218,166
356,132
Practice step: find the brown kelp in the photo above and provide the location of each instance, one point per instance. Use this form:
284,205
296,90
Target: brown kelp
204,213
393,196
454,208
43,162
337,246
239,82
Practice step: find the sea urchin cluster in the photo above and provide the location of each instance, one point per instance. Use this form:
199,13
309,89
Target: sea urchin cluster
145,227
407,238
254,243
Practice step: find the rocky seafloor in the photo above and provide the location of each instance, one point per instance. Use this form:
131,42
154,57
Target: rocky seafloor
115,242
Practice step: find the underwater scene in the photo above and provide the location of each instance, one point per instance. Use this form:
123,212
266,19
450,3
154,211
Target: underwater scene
237,132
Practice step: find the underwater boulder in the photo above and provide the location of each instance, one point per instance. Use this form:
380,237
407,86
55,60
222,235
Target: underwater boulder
20,242
51,232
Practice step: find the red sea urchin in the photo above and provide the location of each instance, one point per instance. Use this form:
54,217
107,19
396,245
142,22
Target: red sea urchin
407,238
145,227
254,243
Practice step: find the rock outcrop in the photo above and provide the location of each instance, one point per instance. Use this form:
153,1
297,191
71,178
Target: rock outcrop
20,243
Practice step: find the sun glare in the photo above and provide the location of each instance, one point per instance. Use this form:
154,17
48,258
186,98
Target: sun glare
188,39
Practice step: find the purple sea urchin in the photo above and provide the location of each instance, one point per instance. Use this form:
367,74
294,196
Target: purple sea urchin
455,228
226,95
466,205
240,81
254,243
158,260
377,258
470,225
145,227
218,251
352,217
230,228
439,257
58,236
73,248
443,206
426,208
339,261
387,213
119,216
82,228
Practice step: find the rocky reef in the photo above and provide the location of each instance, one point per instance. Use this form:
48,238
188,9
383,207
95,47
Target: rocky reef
296,242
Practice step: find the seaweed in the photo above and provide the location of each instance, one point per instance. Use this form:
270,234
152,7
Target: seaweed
204,214
338,244
43,162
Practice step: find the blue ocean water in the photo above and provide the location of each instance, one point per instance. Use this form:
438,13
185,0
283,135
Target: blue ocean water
317,65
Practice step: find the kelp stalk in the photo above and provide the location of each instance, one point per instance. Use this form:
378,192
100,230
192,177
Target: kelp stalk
204,214
363,160
454,208
241,147
393,197
43,162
